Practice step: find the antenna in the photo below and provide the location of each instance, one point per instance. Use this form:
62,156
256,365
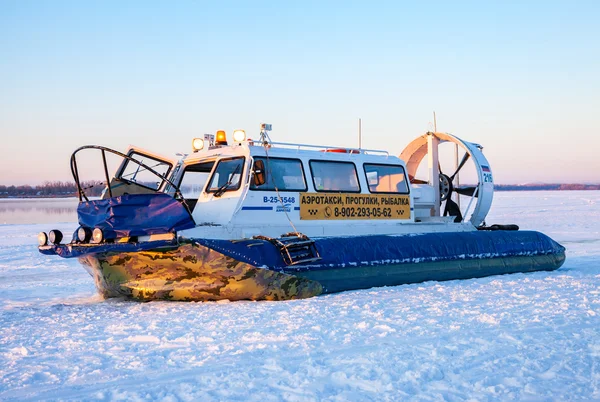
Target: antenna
434,123
359,133
264,133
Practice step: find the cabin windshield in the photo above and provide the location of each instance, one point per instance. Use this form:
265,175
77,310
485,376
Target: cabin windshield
227,176
386,178
193,180
283,173
135,173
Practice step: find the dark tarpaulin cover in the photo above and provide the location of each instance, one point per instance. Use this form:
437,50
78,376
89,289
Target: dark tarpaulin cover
135,215
385,249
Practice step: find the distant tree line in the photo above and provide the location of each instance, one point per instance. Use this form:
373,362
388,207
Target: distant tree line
545,186
92,188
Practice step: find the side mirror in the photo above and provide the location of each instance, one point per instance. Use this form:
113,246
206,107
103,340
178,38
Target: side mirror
259,177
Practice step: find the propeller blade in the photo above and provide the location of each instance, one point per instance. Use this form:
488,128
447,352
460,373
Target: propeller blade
419,181
460,165
466,190
453,209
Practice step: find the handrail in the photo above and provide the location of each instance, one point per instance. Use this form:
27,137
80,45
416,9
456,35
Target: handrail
75,172
325,147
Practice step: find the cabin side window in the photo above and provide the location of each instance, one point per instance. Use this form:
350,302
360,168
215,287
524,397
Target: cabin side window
194,179
227,176
135,173
283,173
386,178
334,176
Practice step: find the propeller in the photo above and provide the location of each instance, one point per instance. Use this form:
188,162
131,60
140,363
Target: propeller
460,165
468,190
465,190
446,188
453,209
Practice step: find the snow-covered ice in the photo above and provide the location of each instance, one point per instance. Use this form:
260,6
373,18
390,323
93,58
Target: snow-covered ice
513,337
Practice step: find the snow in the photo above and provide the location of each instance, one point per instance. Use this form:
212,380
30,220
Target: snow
513,337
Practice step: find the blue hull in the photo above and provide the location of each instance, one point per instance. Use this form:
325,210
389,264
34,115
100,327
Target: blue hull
346,263
369,261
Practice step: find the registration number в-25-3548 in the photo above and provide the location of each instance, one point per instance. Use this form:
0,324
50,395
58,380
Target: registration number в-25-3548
274,200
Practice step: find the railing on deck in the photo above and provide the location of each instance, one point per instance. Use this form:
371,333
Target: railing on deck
326,148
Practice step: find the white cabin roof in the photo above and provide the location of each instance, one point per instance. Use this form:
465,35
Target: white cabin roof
288,150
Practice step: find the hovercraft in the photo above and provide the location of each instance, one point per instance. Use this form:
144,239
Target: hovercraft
264,220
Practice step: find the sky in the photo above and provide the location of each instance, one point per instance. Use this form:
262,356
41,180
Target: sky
518,77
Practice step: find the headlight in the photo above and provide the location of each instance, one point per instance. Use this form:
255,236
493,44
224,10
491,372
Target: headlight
239,135
197,144
84,234
55,236
42,239
97,235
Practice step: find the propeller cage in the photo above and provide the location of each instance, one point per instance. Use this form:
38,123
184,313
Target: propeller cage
481,194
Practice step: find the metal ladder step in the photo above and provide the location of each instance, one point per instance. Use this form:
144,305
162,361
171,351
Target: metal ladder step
295,248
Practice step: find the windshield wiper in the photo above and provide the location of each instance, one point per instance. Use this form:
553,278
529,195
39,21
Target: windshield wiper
223,188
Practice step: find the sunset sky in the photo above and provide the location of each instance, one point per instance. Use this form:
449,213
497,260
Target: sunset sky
522,78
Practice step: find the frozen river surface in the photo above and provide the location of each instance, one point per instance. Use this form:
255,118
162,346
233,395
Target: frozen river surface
513,337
